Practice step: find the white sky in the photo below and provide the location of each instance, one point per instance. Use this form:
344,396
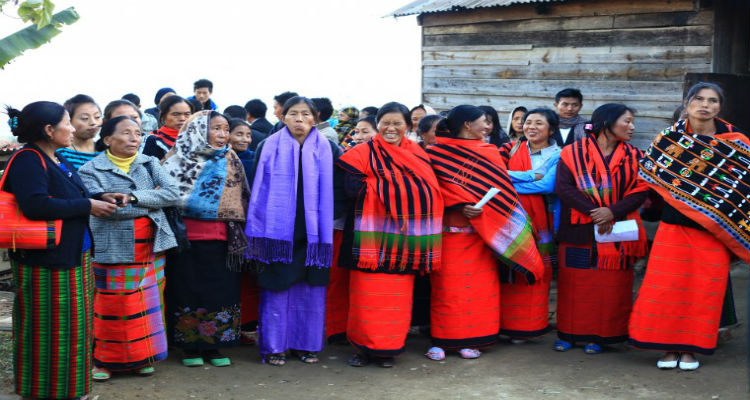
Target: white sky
339,49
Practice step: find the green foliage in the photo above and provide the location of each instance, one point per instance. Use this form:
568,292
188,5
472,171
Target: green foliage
36,11
32,37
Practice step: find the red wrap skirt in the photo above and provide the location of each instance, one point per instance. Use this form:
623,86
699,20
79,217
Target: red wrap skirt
128,326
525,308
337,296
465,302
379,312
679,304
249,301
593,305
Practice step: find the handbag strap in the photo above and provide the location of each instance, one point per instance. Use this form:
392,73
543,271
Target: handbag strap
7,167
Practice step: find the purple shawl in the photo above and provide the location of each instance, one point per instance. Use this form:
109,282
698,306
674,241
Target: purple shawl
273,199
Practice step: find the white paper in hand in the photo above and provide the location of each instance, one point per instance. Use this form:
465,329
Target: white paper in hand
490,194
622,231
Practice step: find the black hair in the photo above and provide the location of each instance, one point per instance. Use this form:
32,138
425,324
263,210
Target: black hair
72,104
28,124
325,108
108,128
569,92
168,103
213,114
693,91
425,124
235,111
203,83
552,119
497,134
235,122
451,126
298,100
283,97
511,133
195,104
370,119
605,116
256,108
133,98
419,107
109,108
677,115
395,107
370,110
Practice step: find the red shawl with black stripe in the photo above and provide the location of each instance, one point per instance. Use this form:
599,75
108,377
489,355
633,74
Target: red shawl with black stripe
398,218
467,169
604,184
167,135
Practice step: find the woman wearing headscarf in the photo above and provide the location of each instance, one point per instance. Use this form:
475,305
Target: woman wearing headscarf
496,135
290,231
598,185
465,303
174,111
129,333
348,117
700,168
532,165
398,213
203,294
54,288
515,123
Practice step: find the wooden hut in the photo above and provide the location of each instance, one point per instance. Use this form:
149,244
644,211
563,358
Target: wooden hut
507,53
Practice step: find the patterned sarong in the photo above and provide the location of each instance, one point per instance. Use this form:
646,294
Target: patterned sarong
52,330
128,324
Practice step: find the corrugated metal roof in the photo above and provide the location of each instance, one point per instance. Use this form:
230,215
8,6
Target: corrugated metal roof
430,6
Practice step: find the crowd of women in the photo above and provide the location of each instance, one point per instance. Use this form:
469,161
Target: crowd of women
188,238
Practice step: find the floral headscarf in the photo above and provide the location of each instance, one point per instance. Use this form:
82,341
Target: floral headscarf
211,181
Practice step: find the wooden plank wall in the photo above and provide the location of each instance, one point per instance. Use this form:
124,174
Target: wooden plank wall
635,51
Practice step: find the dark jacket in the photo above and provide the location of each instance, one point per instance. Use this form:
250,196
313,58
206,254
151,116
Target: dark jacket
257,137
262,125
48,195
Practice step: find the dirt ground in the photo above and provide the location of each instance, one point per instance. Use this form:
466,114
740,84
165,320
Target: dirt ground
527,371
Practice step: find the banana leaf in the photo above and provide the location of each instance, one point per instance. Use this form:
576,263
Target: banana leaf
30,37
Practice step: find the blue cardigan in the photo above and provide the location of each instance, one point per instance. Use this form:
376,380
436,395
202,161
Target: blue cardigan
48,195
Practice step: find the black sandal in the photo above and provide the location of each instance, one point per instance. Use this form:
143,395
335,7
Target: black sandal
277,360
387,362
307,357
359,360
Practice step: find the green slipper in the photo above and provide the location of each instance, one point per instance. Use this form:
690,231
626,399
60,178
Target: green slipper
220,362
192,362
145,371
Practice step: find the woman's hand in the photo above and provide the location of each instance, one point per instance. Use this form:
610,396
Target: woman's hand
101,208
538,176
605,228
471,212
118,199
602,215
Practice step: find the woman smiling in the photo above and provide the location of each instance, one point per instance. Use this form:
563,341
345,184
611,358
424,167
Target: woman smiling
397,232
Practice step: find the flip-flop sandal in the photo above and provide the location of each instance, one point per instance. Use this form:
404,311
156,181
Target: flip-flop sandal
470,354
435,354
277,360
592,348
359,360
100,374
387,362
562,345
309,357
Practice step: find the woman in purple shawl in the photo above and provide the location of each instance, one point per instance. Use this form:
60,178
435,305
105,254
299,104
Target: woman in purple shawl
290,233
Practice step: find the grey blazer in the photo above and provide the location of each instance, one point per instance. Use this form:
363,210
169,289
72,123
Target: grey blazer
114,239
